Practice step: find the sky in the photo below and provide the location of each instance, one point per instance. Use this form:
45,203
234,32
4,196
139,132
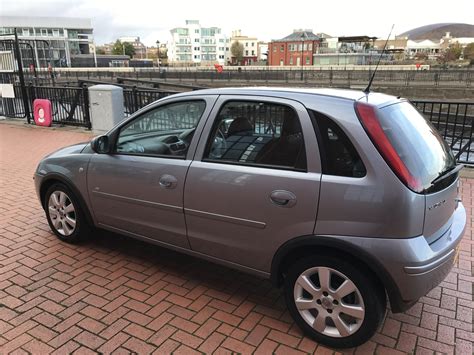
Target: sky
267,20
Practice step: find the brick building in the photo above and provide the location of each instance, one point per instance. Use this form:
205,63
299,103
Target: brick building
295,49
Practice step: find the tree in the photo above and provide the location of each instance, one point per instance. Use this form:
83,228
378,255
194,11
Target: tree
123,48
469,51
237,51
452,53
100,51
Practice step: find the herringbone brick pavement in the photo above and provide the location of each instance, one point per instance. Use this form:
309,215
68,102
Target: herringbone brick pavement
117,295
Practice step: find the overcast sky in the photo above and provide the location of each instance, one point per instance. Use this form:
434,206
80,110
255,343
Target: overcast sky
152,20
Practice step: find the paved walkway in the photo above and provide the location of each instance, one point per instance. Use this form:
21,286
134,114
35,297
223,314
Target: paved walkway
114,294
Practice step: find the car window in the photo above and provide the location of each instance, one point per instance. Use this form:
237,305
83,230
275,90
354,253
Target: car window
257,133
338,154
164,131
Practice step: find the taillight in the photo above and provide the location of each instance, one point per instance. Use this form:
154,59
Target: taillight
370,122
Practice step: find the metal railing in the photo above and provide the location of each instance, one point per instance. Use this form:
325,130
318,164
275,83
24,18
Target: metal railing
70,105
135,98
454,121
308,74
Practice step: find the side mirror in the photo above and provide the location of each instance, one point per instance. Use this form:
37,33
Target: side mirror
100,144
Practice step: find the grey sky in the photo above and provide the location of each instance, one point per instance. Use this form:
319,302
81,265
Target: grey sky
152,20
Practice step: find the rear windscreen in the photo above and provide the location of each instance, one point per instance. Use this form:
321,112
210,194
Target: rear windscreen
417,142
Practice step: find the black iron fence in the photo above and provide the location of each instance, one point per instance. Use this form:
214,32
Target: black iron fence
70,105
135,98
310,74
454,121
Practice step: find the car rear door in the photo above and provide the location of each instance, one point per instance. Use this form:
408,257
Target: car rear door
139,191
254,182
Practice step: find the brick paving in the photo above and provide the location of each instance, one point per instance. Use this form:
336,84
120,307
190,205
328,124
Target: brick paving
117,295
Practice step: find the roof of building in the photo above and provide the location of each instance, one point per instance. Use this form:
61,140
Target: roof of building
298,36
46,22
351,39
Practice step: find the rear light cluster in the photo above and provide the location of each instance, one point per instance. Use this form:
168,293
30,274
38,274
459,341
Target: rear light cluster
368,117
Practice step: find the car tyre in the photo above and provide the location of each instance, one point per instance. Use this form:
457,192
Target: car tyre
65,216
334,301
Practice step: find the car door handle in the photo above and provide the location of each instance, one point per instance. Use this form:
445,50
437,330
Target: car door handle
283,198
168,181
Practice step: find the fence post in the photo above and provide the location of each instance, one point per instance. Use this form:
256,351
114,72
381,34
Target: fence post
85,107
135,99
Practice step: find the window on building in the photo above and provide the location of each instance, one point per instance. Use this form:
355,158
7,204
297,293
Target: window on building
253,52
197,48
44,32
26,32
197,56
55,32
196,40
196,30
291,60
310,46
282,48
308,60
246,53
274,48
221,57
253,44
254,133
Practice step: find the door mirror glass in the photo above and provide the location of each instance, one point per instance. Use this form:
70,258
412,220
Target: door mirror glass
100,144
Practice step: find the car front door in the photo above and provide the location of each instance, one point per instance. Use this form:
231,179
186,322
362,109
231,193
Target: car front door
138,187
254,182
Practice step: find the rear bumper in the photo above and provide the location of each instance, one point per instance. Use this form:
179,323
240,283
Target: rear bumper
420,276
413,265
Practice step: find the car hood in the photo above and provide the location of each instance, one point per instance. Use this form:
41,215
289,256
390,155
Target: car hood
72,149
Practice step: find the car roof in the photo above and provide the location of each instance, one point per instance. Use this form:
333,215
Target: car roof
288,92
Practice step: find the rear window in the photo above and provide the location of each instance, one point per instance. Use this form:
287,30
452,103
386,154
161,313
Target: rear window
417,142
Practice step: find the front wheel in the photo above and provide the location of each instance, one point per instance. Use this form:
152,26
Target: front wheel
333,301
64,214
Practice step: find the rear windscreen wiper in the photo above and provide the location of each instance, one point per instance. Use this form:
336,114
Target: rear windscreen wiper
447,173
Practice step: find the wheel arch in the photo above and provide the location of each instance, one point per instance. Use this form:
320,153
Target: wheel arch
54,178
311,245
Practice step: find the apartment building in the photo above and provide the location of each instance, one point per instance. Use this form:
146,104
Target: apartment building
54,40
251,49
295,49
194,44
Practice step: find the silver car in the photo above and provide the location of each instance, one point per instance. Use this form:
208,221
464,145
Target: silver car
341,197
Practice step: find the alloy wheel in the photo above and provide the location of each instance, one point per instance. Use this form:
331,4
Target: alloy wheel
329,302
62,213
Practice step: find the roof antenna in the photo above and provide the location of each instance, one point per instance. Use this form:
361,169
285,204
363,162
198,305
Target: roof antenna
367,89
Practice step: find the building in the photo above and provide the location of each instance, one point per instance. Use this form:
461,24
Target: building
251,49
295,49
53,39
351,50
197,45
140,48
430,49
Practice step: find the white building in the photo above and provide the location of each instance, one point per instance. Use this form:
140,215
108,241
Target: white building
431,48
251,48
54,39
194,44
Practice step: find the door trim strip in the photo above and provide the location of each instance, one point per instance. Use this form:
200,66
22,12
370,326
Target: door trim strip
229,219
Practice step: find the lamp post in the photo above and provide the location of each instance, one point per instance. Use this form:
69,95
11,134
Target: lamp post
302,48
158,54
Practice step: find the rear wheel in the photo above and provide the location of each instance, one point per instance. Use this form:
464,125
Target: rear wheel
333,301
64,214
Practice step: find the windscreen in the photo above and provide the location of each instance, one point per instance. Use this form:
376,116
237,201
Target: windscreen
419,145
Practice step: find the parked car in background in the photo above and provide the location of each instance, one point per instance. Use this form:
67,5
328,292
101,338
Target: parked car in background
341,197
